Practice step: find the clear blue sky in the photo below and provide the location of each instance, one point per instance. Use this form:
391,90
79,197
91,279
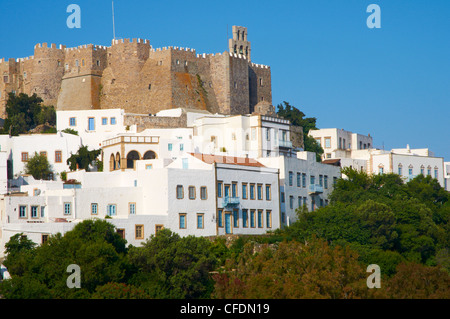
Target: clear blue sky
393,82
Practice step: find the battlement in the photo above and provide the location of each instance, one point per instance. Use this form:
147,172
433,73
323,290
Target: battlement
127,40
52,46
172,48
87,46
262,66
24,59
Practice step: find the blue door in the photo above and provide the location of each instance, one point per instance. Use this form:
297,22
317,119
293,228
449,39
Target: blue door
91,124
228,223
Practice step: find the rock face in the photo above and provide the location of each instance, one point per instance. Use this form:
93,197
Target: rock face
130,74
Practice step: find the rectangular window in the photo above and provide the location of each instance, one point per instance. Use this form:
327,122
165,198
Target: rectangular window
91,124
436,171
252,191
244,191
34,211
303,180
410,171
312,180
260,192
291,177
226,190
245,218
335,181
44,238
113,121
203,193
180,192
299,178
148,166
67,208
399,170
169,147
327,142
299,201
236,218
268,134
268,192
260,219
42,211
121,232
291,202
104,121
23,212
252,218
24,156
220,217
182,219
321,180
94,209
282,197
139,231
181,147
191,192
158,228
72,121
58,156
268,218
200,219
219,189
325,181
111,210
43,154
132,208
234,189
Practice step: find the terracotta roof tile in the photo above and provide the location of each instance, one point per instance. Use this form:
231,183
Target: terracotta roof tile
220,159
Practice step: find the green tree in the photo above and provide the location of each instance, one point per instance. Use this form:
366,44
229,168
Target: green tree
39,167
25,113
293,270
170,266
83,158
297,118
94,245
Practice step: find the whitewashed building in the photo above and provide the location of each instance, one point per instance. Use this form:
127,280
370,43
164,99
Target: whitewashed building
303,182
193,195
56,147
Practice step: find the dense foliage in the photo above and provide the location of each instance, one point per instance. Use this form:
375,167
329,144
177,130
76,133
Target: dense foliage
83,158
25,113
297,118
402,227
39,167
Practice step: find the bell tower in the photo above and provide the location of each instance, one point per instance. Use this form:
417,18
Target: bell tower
239,44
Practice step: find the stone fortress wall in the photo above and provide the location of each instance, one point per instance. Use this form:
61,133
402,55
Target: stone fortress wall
132,75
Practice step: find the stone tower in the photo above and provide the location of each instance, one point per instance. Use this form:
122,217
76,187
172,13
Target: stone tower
239,44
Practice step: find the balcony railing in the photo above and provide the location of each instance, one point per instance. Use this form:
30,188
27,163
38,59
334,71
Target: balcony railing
285,144
315,189
230,201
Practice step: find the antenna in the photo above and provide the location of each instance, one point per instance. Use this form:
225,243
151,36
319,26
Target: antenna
114,27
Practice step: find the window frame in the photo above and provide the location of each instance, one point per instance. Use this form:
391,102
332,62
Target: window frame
141,230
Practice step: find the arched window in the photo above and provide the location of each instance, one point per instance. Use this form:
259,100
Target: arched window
112,163
400,169
235,48
149,155
246,51
241,49
118,160
243,35
131,157
238,34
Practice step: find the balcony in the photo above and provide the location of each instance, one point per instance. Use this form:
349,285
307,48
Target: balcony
229,201
315,189
285,144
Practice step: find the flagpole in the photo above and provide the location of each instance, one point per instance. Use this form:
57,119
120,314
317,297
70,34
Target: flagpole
114,27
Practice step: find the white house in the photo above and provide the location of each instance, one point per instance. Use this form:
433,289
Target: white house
447,175
193,195
243,136
56,147
303,182
94,126
339,143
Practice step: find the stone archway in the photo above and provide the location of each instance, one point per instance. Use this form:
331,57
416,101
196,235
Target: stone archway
131,157
149,155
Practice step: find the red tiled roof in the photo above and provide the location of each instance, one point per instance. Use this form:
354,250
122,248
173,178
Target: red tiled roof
220,159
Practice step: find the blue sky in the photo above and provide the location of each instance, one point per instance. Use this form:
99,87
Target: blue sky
393,82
